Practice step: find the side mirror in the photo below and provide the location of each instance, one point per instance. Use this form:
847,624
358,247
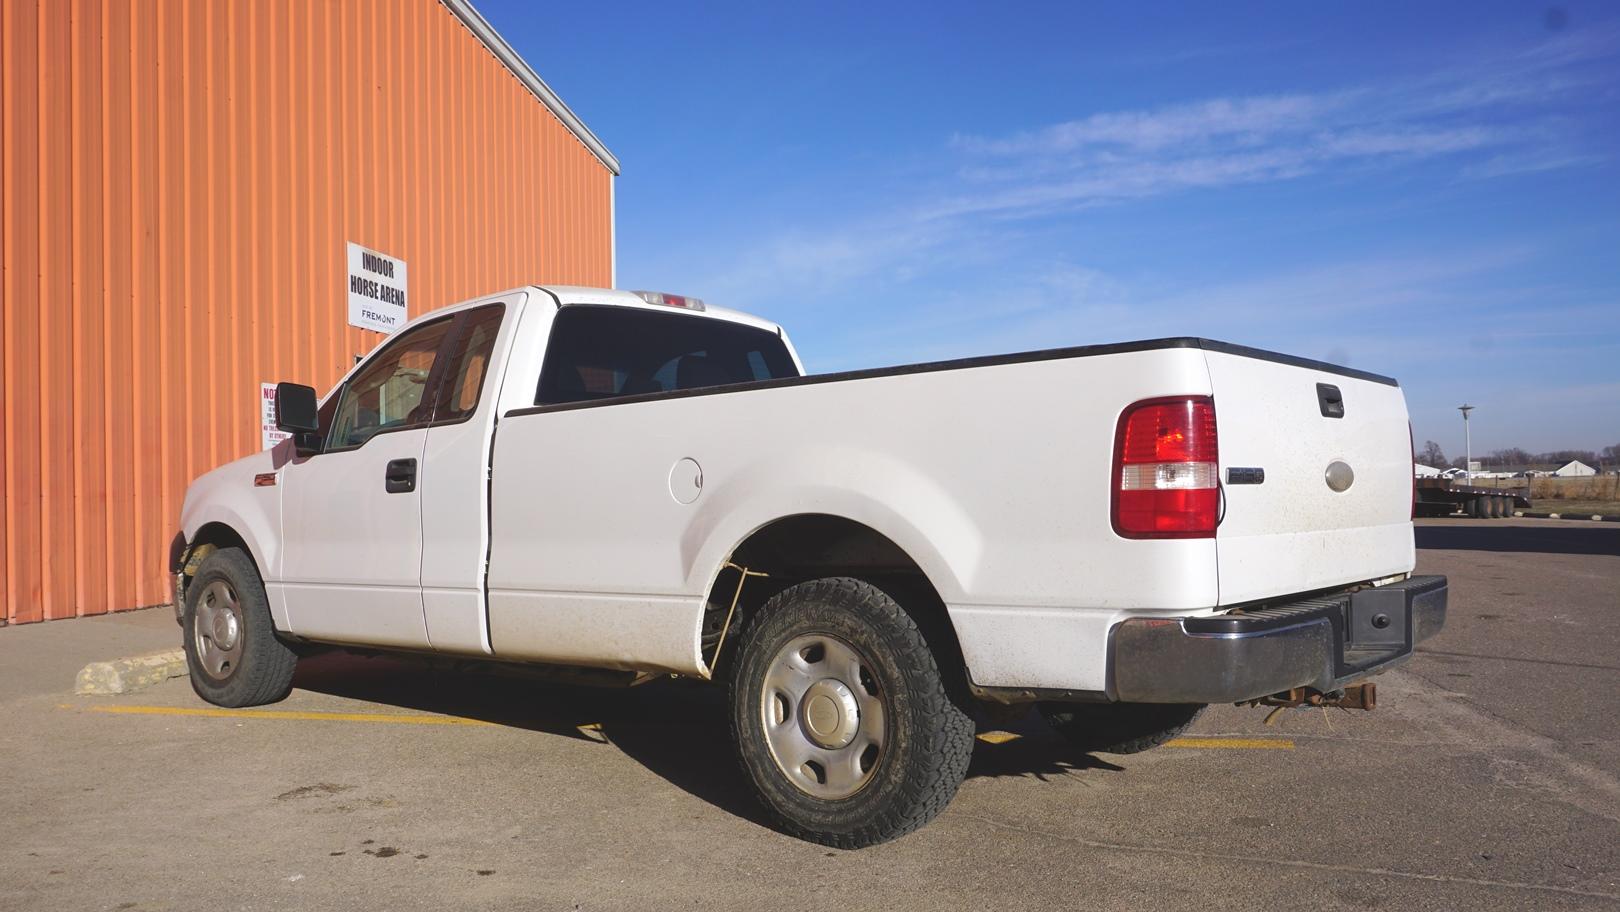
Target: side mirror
295,408
296,413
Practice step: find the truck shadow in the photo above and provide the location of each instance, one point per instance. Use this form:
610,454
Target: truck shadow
676,729
1595,538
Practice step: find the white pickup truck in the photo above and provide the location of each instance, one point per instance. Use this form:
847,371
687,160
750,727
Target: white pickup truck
598,479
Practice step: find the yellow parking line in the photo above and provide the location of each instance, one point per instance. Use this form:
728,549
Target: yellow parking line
1233,743
1002,737
285,714
990,737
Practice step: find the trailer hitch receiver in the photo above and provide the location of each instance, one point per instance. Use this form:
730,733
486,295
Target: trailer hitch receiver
1353,696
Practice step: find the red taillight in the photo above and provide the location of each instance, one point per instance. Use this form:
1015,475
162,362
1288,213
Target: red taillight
1165,469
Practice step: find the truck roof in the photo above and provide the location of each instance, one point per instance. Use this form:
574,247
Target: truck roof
581,294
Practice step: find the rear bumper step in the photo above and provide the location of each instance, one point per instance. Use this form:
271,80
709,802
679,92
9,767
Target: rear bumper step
1322,643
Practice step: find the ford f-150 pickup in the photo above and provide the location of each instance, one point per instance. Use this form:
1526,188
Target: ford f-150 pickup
634,482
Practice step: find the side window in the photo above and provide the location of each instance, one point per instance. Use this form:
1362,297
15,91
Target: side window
466,364
389,392
604,352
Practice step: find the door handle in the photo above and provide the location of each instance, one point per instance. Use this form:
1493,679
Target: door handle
1330,400
400,477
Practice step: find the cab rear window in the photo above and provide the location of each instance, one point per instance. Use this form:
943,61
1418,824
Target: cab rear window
603,352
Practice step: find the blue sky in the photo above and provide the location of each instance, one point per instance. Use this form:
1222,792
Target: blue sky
1425,190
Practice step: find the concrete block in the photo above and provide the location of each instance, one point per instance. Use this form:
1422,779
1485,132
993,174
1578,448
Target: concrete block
128,675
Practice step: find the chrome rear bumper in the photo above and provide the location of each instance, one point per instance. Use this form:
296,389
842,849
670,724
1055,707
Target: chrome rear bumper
1323,642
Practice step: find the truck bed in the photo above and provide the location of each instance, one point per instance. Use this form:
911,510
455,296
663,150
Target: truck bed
992,473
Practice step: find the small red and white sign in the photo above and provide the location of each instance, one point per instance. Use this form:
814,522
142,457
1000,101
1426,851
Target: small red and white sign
267,416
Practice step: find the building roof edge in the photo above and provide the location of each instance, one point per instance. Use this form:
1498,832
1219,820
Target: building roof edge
480,27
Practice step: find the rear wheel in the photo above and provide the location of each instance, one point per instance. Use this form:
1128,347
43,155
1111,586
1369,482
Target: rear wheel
1505,506
841,717
231,647
1120,728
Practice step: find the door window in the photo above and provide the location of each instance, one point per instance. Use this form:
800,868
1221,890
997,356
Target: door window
466,364
390,392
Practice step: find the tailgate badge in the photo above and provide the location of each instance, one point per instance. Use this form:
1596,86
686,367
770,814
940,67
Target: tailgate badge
1339,475
1240,475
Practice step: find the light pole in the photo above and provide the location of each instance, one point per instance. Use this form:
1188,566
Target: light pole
1468,445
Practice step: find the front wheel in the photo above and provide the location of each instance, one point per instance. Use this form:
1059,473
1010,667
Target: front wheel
231,646
841,717
1120,728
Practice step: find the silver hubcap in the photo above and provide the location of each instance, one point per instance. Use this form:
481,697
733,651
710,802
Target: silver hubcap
217,630
824,716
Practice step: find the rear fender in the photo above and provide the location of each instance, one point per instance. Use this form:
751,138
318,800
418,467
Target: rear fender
876,491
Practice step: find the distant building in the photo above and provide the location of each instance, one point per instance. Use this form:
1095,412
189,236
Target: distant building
1527,470
1576,469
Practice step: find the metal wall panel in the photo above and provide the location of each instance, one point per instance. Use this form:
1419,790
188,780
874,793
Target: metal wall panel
178,180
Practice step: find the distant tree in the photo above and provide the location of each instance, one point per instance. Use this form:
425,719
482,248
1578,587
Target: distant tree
1432,455
1459,463
1612,453
1512,456
1561,457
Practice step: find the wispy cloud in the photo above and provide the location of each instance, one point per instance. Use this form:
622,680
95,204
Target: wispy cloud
1229,142
1492,118
1155,129
1345,309
1488,119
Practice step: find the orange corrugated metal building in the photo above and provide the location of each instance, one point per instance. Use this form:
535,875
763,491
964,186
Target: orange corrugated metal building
180,184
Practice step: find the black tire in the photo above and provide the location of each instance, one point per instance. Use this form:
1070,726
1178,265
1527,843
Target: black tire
1504,507
258,668
1477,508
1120,728
926,738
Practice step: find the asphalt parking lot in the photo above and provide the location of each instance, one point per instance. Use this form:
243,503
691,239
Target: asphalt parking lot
1488,778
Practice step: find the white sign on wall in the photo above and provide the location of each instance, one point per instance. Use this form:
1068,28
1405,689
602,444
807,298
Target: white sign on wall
267,416
376,290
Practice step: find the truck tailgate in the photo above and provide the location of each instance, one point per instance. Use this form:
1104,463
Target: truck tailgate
1334,505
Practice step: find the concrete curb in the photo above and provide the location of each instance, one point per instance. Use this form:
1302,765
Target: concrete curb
1586,517
128,675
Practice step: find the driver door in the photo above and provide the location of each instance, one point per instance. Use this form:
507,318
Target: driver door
352,514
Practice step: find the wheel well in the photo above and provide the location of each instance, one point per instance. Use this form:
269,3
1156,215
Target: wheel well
814,545
213,536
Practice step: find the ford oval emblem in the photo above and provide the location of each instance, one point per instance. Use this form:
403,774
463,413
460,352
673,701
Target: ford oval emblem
1339,475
